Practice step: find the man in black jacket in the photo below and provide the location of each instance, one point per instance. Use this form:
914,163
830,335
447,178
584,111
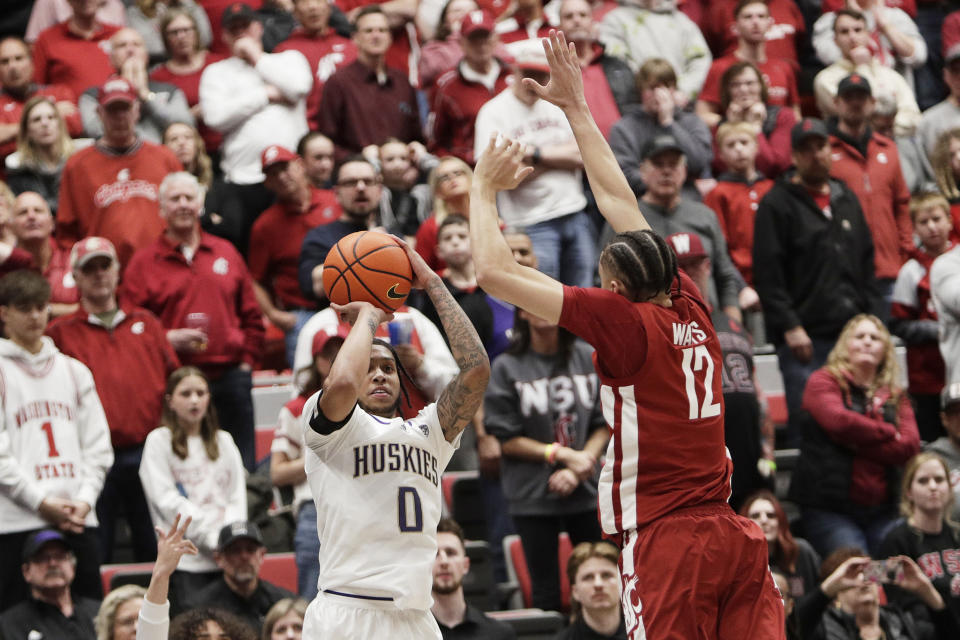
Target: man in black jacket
240,552
813,261
51,611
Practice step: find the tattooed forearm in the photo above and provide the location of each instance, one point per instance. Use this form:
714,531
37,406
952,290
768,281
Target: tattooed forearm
372,325
461,398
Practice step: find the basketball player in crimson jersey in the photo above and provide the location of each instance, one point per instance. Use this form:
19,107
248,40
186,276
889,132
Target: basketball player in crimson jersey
691,568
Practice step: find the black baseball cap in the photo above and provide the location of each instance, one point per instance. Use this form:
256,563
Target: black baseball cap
853,83
238,530
41,539
236,12
807,128
658,144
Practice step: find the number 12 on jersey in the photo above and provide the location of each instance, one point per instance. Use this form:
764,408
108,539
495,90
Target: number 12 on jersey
695,360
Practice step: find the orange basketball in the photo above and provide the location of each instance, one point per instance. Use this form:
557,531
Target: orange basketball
368,266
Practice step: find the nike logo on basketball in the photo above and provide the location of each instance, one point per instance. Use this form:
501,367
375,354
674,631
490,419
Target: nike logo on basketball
392,293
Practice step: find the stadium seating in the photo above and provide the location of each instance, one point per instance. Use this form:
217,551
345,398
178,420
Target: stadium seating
519,574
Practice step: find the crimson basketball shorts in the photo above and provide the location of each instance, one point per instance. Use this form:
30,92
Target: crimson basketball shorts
699,573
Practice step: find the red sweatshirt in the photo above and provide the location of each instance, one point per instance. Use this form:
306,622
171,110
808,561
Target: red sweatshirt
130,362
735,202
113,195
216,282
62,57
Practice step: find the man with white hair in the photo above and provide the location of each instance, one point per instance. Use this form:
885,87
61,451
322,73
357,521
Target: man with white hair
199,287
161,104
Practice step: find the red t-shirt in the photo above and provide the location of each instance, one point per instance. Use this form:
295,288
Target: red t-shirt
662,397
279,233
777,74
325,54
787,30
114,195
62,57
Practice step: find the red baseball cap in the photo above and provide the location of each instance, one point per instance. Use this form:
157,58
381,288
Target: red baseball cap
322,337
529,54
275,154
476,21
116,89
85,250
687,246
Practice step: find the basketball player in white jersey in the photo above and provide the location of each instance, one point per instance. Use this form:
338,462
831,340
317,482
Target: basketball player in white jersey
375,478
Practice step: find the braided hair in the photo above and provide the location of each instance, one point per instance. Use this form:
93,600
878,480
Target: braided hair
642,261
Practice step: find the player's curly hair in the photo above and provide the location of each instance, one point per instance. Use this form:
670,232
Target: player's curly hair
190,624
642,261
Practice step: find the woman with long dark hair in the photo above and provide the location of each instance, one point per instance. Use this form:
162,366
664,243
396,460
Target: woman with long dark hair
192,467
542,404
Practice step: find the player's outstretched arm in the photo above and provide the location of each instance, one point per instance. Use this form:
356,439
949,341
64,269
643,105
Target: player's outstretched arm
348,373
460,399
501,167
614,197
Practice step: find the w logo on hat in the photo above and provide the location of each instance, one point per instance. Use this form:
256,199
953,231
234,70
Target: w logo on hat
681,243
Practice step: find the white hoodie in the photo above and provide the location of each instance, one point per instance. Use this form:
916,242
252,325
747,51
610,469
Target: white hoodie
54,438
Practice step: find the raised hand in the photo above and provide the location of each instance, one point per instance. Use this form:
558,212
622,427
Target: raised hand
565,88
502,165
173,545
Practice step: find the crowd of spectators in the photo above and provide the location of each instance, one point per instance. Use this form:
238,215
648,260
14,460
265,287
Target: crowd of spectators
174,172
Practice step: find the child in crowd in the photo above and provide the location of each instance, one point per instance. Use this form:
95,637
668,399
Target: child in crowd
286,460
405,204
453,248
738,192
193,468
913,316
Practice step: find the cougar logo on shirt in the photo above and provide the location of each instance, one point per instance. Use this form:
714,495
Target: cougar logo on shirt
137,328
221,266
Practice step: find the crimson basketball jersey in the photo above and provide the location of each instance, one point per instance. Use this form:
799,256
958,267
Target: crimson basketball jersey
662,398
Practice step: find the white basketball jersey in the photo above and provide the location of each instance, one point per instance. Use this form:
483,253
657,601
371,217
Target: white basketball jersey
376,484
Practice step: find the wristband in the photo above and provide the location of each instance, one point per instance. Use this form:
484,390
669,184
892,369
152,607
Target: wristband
548,452
554,451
